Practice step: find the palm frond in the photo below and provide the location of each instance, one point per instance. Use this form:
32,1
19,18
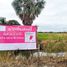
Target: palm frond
30,7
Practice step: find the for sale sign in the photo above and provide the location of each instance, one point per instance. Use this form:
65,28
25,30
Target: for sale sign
17,37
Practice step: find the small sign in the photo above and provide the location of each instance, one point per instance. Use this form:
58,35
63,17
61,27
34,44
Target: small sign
29,37
17,37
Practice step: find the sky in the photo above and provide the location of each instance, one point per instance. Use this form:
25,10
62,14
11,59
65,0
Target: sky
54,13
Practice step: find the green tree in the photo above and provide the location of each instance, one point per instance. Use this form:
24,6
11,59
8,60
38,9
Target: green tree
28,10
13,22
3,21
10,22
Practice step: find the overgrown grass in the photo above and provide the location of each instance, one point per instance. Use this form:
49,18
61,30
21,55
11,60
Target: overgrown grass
50,42
52,36
53,42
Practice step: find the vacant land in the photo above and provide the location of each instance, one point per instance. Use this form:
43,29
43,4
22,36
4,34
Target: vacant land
52,36
53,42
49,42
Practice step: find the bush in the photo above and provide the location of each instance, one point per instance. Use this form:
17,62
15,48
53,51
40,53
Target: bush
57,46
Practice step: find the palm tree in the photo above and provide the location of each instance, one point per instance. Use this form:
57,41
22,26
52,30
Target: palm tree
28,10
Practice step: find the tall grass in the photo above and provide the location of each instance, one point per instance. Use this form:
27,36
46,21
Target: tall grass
52,36
50,42
53,42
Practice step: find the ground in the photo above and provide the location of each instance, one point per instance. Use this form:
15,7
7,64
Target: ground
51,42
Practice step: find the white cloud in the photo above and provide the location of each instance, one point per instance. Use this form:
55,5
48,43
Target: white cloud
6,10
55,12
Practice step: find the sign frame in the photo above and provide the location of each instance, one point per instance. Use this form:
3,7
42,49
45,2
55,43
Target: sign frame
18,48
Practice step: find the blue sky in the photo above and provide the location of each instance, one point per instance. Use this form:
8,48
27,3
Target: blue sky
54,13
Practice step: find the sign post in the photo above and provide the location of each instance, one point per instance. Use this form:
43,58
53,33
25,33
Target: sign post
18,37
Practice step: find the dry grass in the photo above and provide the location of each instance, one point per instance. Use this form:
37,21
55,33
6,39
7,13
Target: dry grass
20,61
50,42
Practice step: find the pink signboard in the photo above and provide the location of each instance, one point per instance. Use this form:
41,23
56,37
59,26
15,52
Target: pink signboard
17,37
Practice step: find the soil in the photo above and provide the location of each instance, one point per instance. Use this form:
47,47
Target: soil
36,62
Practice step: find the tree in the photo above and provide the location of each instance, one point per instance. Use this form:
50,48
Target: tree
3,21
13,22
28,10
10,22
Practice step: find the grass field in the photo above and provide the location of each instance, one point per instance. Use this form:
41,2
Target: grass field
49,42
53,42
52,36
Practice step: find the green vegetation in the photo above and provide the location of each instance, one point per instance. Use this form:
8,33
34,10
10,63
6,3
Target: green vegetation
52,36
28,10
49,42
10,22
53,42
